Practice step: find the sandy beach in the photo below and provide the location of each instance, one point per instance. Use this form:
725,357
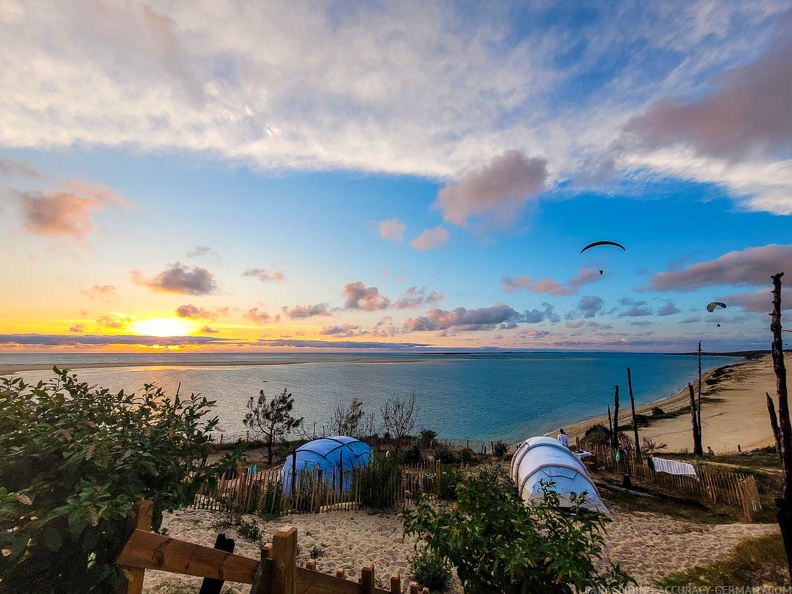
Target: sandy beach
739,416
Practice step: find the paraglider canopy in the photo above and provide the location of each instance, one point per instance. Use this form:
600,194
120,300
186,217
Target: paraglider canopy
605,242
713,304
337,454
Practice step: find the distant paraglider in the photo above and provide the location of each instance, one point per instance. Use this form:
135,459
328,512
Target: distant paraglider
596,243
714,304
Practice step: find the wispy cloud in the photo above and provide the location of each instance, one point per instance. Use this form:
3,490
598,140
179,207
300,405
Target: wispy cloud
633,309
415,297
752,266
199,313
474,320
392,229
546,285
11,168
668,309
260,316
265,275
103,292
306,311
178,278
104,339
430,239
759,301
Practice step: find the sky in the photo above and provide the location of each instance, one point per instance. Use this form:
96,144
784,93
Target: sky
403,176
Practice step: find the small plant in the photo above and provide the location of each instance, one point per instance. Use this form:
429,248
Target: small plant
499,448
467,455
316,552
378,481
430,569
427,437
413,454
249,530
445,454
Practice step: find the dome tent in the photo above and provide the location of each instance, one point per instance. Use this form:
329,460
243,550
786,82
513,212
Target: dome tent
545,459
336,454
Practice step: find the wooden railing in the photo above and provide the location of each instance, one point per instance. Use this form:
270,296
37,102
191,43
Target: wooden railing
275,573
724,487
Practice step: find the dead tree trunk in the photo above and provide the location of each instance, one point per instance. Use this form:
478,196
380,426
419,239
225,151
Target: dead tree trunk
697,449
774,426
698,413
616,417
634,419
783,503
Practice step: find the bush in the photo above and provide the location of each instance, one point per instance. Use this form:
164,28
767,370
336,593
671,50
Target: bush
413,454
499,544
249,530
450,477
499,448
273,500
430,569
427,437
657,411
377,482
73,461
445,454
467,455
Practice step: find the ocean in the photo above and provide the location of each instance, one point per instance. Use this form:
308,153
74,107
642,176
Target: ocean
481,396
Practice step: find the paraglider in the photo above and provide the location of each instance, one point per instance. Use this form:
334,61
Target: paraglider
713,304
596,243
718,325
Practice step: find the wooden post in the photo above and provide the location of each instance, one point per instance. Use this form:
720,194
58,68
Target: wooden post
310,565
413,587
284,562
610,423
261,584
774,427
697,449
294,471
367,579
698,412
635,421
139,519
395,587
211,585
615,442
340,574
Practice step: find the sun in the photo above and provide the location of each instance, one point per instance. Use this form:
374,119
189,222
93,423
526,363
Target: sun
164,327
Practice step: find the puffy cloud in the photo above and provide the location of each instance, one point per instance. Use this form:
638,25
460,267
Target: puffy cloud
760,301
747,115
179,279
472,320
77,329
65,213
430,239
534,316
752,266
260,317
205,252
588,307
498,190
392,229
359,296
635,309
668,308
344,330
264,275
103,292
11,168
197,313
306,311
415,297
114,321
208,330
546,285
105,339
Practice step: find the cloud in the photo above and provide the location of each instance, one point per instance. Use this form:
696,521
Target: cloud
199,313
344,330
751,266
635,309
105,339
179,279
306,311
760,301
358,296
430,239
65,213
690,320
103,292
549,286
260,317
473,320
747,115
264,275
415,297
79,328
327,344
498,190
114,321
208,330
642,323
668,308
204,251
588,307
11,168
392,229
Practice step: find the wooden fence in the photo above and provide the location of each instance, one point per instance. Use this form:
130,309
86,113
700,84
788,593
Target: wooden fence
275,573
714,484
249,490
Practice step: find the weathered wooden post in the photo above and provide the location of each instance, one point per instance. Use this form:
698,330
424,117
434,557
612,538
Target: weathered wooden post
284,561
775,428
634,419
698,412
615,435
139,519
694,416
211,585
395,584
367,579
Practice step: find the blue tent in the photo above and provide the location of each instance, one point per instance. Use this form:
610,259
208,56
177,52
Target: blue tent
332,455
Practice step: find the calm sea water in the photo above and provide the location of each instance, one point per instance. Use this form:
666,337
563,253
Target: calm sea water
490,396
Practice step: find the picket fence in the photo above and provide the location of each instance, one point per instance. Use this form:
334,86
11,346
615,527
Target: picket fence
249,490
723,487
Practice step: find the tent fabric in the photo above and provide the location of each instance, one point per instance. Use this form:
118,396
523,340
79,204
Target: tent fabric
340,453
545,459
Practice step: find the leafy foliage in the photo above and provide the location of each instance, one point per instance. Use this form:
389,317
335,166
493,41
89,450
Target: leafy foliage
73,461
271,420
445,454
378,481
427,437
499,448
450,477
430,569
499,544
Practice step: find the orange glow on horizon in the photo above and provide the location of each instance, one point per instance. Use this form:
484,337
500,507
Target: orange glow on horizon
164,327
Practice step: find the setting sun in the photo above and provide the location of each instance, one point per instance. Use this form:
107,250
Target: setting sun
164,327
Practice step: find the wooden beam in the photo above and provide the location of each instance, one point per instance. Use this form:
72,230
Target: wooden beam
140,518
367,581
284,561
395,584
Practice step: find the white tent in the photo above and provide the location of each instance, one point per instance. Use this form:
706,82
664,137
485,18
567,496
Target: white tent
545,459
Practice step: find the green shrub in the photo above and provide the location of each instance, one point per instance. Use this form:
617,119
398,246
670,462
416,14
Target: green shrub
467,455
445,454
657,411
499,544
427,437
73,461
450,477
500,448
249,530
430,569
413,454
377,482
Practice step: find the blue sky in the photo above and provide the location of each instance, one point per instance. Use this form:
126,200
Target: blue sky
283,175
